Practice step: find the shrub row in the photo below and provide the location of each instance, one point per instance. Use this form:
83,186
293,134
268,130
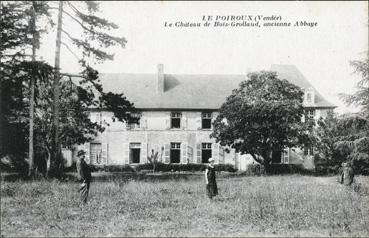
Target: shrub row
287,169
161,167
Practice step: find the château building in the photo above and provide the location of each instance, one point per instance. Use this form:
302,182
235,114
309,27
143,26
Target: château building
175,118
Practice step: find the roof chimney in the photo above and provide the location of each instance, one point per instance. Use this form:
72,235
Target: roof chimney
160,78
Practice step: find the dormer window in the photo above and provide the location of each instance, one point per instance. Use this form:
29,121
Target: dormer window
309,98
175,120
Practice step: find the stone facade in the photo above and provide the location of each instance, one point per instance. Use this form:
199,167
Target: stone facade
154,132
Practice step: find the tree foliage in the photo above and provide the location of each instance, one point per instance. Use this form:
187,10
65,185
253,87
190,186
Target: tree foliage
79,93
343,138
262,116
361,96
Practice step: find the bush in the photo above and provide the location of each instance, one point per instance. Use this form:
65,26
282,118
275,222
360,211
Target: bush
255,169
112,168
287,169
162,167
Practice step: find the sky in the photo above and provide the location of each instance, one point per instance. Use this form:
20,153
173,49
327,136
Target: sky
321,52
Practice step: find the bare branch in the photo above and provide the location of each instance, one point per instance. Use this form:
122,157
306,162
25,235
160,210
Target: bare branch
70,50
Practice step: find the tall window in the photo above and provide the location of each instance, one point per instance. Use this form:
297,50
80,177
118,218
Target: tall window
134,153
206,121
175,120
308,150
175,152
95,153
205,152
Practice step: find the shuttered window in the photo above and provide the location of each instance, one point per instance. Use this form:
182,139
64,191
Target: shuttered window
206,152
175,152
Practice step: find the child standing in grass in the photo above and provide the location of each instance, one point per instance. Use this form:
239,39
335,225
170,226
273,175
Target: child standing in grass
347,174
84,173
211,183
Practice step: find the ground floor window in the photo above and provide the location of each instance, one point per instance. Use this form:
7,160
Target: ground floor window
308,150
95,153
175,152
134,153
205,152
277,156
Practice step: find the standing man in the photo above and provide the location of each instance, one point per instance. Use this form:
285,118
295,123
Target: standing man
84,174
211,183
347,174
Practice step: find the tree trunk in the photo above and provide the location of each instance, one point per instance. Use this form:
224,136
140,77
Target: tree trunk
2,120
267,159
48,163
32,96
56,145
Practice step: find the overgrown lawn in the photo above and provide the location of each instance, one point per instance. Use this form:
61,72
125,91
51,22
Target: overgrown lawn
247,206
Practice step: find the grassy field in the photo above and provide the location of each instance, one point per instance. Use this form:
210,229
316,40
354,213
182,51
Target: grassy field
247,206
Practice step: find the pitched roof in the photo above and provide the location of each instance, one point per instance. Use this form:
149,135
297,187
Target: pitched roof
184,91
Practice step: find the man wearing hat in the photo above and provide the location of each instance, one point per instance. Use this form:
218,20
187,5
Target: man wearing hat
347,174
84,174
211,183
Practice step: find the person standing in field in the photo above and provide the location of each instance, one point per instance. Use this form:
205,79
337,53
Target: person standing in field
211,183
347,174
84,174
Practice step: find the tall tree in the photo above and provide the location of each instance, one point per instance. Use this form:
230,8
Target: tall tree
262,116
342,138
361,96
16,29
94,31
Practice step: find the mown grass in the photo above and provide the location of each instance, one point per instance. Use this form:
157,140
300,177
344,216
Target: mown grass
247,206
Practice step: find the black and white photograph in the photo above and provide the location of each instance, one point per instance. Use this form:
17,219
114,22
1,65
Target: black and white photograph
184,119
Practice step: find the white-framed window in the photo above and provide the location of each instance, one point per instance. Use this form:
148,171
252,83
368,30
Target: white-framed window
96,153
206,120
309,97
175,120
310,113
175,152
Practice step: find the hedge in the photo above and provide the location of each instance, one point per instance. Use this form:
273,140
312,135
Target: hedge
161,167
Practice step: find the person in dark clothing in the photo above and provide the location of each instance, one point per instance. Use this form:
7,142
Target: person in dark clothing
211,183
347,174
84,174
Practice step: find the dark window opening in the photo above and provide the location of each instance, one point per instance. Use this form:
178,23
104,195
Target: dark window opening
135,156
175,152
308,150
276,157
206,121
206,152
134,153
175,120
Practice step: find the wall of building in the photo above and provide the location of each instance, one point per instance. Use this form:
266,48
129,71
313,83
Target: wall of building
154,133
